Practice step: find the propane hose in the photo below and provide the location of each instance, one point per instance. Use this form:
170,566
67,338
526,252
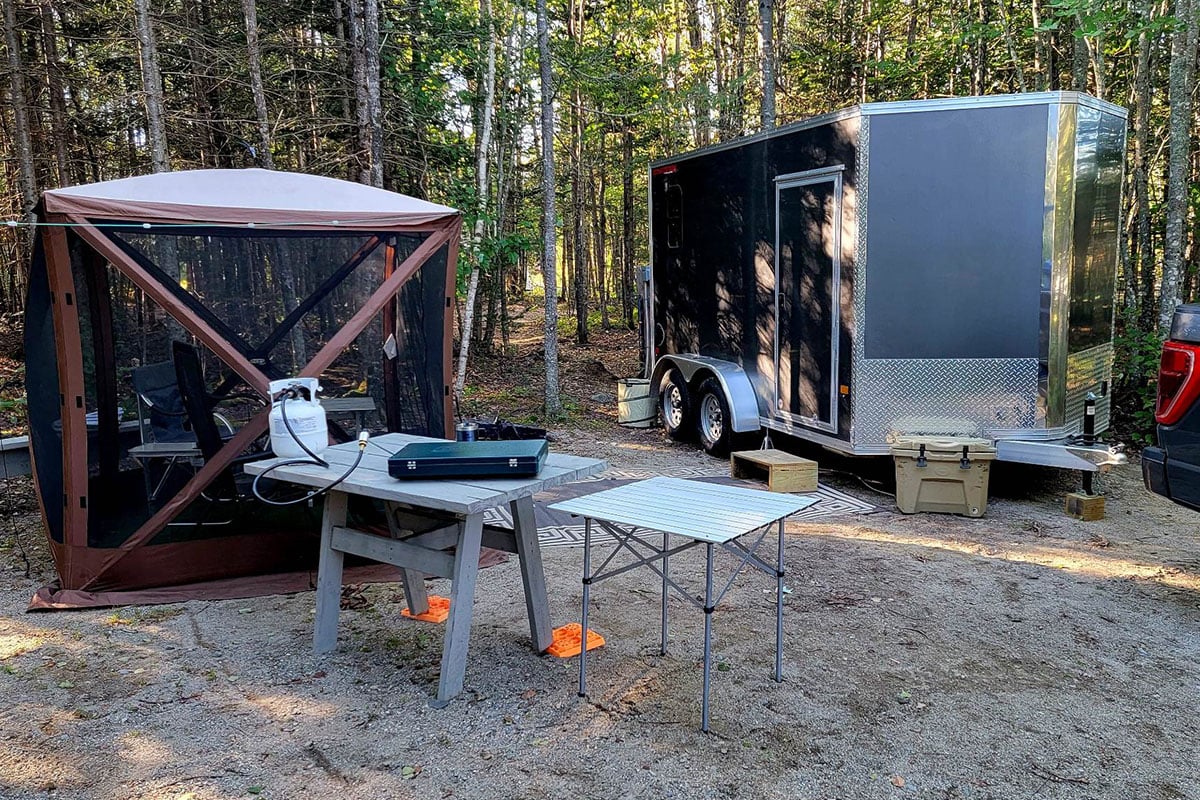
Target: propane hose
312,460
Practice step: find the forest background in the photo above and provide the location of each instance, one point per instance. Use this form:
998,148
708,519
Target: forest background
539,120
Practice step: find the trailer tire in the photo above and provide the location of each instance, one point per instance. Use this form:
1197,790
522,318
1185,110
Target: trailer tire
713,420
675,405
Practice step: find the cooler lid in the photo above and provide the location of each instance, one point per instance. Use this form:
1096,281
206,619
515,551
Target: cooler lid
942,444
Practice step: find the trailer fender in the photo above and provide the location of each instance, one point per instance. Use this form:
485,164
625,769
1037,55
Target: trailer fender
743,404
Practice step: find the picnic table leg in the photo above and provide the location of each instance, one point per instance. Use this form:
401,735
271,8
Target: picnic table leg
779,609
665,586
329,576
529,552
708,612
414,582
587,581
462,601
414,591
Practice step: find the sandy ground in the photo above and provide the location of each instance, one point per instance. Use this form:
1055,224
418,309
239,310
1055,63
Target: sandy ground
1023,655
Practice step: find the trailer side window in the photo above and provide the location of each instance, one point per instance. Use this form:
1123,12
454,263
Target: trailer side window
674,215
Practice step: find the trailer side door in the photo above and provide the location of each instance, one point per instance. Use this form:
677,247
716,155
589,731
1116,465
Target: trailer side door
808,231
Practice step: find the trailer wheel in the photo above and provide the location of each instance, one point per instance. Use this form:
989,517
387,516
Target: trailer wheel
713,419
675,403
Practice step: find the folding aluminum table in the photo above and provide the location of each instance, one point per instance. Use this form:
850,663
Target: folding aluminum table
436,529
708,514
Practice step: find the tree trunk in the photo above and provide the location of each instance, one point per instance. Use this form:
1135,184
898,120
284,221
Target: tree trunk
1182,73
766,12
549,240
599,229
254,56
152,90
16,77
1041,59
1143,265
59,129
1079,60
343,42
374,99
703,134
579,247
487,99
627,229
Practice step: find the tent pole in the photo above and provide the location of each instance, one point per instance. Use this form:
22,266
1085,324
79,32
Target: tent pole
448,324
391,399
350,331
73,412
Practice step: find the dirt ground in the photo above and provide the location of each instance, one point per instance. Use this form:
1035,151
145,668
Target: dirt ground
1023,655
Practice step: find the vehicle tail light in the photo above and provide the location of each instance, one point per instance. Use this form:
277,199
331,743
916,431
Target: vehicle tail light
1178,382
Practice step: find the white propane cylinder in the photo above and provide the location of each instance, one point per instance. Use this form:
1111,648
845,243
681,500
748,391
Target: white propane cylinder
305,416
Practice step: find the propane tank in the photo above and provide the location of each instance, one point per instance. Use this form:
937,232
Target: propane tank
304,414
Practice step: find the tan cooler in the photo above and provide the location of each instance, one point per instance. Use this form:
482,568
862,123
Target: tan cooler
942,474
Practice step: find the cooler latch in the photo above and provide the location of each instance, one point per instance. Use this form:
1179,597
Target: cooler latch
965,462
922,461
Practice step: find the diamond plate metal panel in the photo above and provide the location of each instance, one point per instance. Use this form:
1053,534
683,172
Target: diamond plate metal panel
1086,370
862,165
963,397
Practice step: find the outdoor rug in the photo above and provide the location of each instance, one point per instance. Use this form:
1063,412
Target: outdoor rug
557,529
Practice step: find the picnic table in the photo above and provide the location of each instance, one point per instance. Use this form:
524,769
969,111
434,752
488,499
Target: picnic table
709,515
436,528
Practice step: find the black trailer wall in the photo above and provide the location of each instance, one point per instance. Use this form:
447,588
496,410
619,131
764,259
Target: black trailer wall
713,236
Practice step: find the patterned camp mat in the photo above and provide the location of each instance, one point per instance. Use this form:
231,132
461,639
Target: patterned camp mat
556,529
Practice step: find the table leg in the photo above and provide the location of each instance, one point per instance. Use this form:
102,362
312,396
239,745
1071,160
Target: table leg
708,612
462,601
414,582
779,609
529,552
587,581
665,570
414,591
329,576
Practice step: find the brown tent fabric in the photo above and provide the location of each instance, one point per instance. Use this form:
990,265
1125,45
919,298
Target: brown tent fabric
267,274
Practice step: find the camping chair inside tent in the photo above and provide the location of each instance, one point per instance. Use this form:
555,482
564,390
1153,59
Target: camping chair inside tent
175,292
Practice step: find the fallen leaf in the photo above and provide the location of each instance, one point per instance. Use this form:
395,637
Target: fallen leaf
898,781
528,694
66,685
254,789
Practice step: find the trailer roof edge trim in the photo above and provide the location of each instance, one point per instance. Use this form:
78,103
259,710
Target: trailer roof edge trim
904,107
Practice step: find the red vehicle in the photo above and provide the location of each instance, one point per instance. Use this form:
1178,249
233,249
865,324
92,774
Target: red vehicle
1173,468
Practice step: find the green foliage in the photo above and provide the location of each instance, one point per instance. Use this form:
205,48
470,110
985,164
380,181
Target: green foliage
1135,384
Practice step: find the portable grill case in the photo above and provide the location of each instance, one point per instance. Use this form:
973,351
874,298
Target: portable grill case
422,460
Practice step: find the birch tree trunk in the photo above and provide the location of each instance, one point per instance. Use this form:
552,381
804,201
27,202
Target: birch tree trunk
482,186
152,90
16,77
766,13
1182,73
549,240
374,102
254,56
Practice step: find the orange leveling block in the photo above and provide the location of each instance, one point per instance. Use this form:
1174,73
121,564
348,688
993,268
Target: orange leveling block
567,641
439,610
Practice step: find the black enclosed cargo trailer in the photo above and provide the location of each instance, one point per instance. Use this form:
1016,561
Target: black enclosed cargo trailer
926,267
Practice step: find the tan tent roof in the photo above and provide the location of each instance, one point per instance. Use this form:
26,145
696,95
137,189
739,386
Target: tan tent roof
240,196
